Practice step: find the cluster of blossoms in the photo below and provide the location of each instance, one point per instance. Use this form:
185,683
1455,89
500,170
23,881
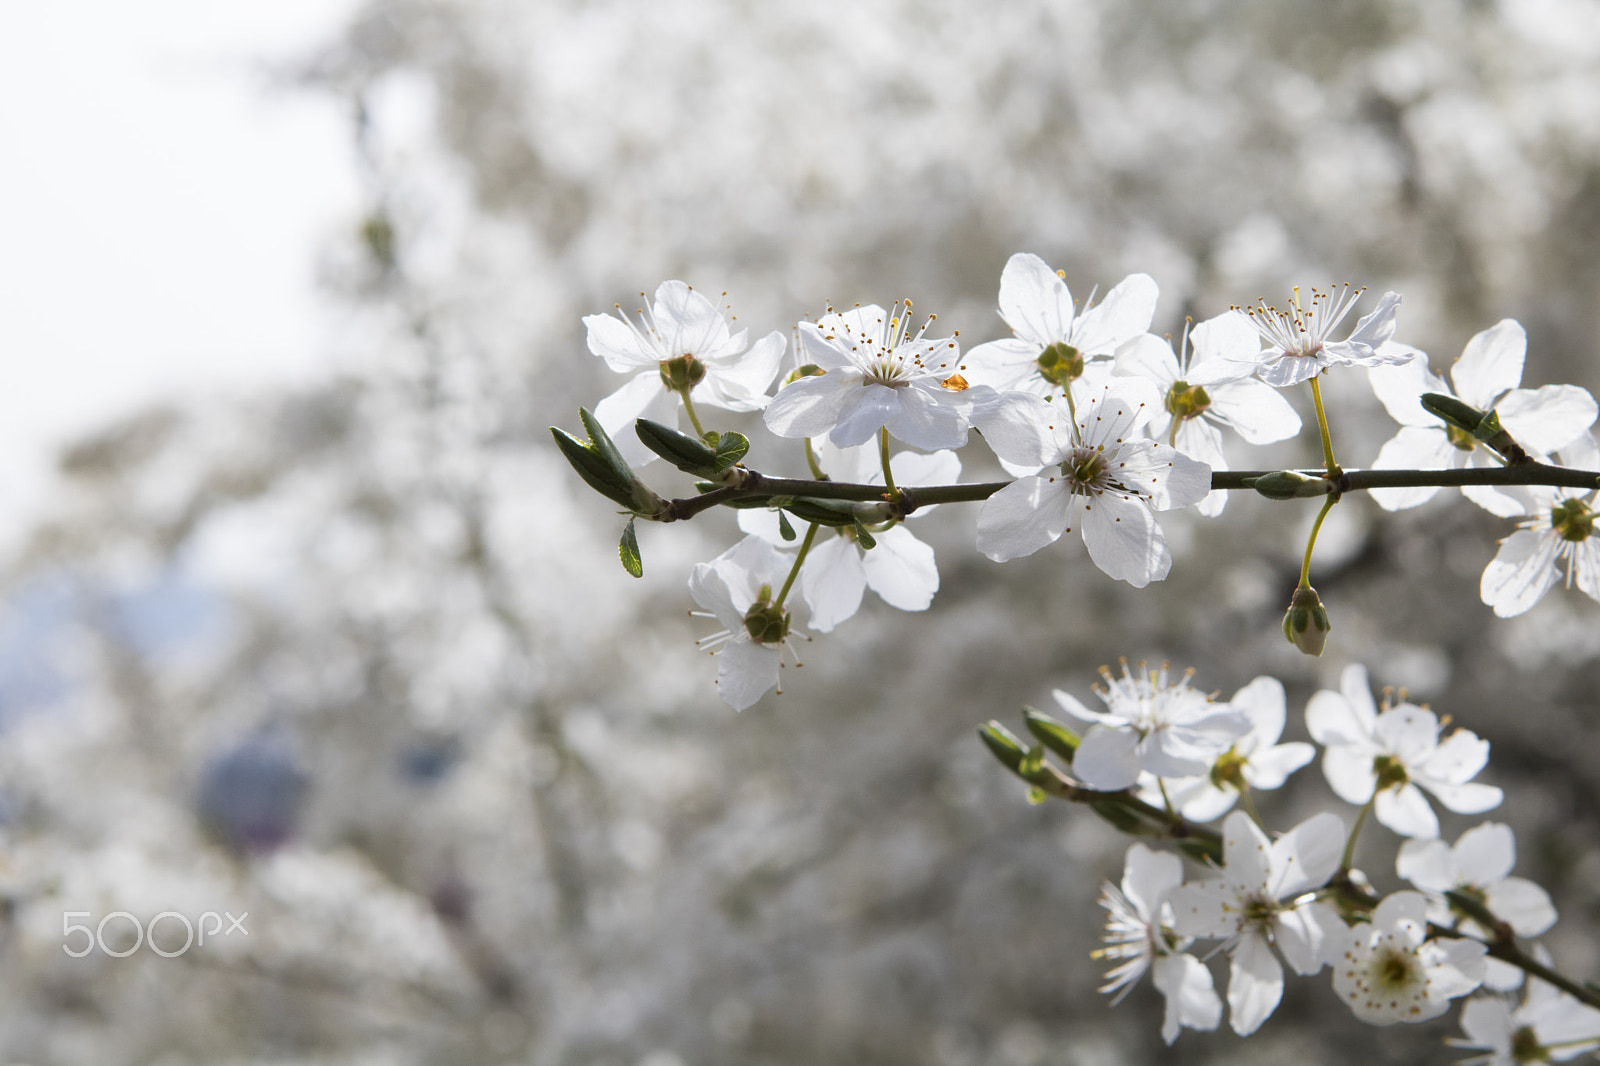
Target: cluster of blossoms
1102,425
1296,899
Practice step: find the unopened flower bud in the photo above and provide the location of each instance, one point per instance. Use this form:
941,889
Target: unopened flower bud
1306,624
1290,485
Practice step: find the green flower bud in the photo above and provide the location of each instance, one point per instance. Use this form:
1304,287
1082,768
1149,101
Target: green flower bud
682,372
765,621
1187,401
1061,364
1572,520
1306,624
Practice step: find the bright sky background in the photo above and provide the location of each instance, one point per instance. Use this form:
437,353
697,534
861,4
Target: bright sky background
162,201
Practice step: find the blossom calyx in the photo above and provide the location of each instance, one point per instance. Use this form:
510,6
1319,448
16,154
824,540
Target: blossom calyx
1306,624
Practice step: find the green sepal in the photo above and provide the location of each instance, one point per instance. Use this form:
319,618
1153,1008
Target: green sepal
785,530
628,551
594,469
689,454
1002,745
731,447
1051,733
864,537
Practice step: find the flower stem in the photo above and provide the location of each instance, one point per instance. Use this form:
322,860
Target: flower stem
812,461
883,454
1248,804
794,571
1311,541
694,419
1347,860
1322,427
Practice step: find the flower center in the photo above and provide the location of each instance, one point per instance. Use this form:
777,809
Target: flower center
1060,364
1394,969
1525,1046
682,372
1228,770
1187,401
1572,520
1391,771
1086,469
766,622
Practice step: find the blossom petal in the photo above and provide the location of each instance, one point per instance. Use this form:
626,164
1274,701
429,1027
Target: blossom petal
642,397
1413,448
1023,517
1491,363
1521,904
1548,418
1269,769
1399,387
1521,572
1246,854
1306,856
1034,301
1255,985
1124,539
623,349
745,671
741,384
1406,811
1428,864
925,419
1125,313
1256,411
869,408
902,570
1148,876
1192,1000
833,581
1107,759
811,406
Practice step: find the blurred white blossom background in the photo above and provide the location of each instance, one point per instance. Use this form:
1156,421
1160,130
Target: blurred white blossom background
351,650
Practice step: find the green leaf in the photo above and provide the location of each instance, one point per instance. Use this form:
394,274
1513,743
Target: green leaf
595,471
600,442
785,530
1051,733
628,550
731,447
1002,745
687,453
1037,795
864,538
1032,762
823,512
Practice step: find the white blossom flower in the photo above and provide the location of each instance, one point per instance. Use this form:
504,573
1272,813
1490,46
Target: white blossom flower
736,588
1560,530
1298,344
1053,341
1119,480
1389,755
1486,376
1549,1026
1255,760
1479,866
682,338
1190,417
1260,900
1389,971
876,374
837,572
1139,935
1151,724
